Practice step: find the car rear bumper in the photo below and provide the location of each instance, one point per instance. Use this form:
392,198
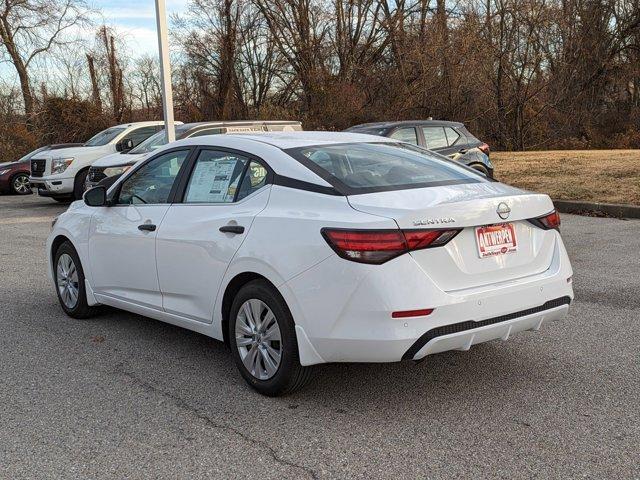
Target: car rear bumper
52,186
349,319
462,335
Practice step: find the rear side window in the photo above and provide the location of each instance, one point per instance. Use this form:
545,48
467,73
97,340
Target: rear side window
435,137
254,178
405,135
452,136
354,168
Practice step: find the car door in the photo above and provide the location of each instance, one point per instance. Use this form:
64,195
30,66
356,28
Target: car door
122,238
200,235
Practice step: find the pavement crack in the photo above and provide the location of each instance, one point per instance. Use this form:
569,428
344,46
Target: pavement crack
180,403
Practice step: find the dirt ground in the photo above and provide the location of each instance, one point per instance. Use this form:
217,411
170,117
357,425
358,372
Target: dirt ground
611,176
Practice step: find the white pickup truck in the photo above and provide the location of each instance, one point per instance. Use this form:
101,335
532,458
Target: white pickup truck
60,174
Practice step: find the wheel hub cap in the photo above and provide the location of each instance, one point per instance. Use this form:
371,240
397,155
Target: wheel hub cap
258,339
67,280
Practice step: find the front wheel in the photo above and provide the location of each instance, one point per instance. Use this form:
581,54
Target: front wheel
20,184
263,341
69,280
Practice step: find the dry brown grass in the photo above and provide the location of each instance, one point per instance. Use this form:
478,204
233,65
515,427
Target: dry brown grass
611,176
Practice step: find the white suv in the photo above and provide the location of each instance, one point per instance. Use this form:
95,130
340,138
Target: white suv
60,174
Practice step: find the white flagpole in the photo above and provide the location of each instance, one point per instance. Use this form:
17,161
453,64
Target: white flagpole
165,69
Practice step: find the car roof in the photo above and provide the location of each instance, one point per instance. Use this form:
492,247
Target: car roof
408,123
235,123
150,123
286,140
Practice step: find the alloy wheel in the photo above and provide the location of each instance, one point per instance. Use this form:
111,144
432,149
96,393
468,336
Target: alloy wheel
258,339
21,184
67,280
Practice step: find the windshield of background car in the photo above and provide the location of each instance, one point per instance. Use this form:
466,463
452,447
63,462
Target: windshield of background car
104,137
28,156
155,141
355,168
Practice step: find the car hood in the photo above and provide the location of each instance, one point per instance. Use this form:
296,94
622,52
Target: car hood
76,152
118,159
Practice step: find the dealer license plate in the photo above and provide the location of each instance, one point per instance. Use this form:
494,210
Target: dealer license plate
495,240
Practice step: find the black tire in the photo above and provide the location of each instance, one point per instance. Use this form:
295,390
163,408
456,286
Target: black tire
481,168
17,184
78,184
81,309
290,375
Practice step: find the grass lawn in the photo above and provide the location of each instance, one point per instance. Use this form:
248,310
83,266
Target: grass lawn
611,176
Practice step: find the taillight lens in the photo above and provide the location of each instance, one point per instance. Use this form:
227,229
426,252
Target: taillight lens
548,222
379,246
485,148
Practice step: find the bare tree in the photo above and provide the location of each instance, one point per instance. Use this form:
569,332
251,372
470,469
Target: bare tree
30,28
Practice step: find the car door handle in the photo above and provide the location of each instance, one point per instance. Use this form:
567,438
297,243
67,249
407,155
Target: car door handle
237,229
147,227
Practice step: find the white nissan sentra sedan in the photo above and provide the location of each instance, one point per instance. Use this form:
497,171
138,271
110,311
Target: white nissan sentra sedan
304,248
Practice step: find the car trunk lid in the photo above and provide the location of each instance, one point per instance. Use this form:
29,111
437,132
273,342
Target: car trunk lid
458,265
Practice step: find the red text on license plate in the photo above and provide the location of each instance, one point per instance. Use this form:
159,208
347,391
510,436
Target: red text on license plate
495,240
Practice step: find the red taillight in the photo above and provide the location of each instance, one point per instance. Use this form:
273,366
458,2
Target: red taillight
551,220
485,148
379,246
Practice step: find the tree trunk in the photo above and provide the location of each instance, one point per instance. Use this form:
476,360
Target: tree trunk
95,90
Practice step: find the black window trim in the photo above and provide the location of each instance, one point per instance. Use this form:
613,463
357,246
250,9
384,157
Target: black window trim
345,190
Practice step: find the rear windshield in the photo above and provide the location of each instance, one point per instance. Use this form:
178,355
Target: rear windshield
355,168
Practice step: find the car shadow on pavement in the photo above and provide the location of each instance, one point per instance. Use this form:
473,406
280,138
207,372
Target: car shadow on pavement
181,360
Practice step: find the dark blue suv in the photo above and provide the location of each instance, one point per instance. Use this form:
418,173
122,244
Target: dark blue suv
450,139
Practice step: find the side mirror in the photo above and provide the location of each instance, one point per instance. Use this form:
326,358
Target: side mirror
96,196
124,145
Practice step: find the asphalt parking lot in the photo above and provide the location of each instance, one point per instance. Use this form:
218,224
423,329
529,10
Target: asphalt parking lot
122,396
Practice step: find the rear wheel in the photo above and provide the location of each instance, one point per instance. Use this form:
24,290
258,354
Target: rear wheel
20,184
481,168
69,280
263,341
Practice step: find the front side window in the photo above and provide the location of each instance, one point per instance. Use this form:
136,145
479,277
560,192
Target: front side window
369,167
215,177
152,183
104,137
405,135
434,137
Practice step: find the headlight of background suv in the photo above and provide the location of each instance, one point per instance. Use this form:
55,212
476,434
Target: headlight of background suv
59,165
111,171
2,172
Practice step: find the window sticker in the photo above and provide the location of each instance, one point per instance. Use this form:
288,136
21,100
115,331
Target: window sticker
211,181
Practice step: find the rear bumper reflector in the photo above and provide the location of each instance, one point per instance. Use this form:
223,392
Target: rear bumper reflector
412,313
470,324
